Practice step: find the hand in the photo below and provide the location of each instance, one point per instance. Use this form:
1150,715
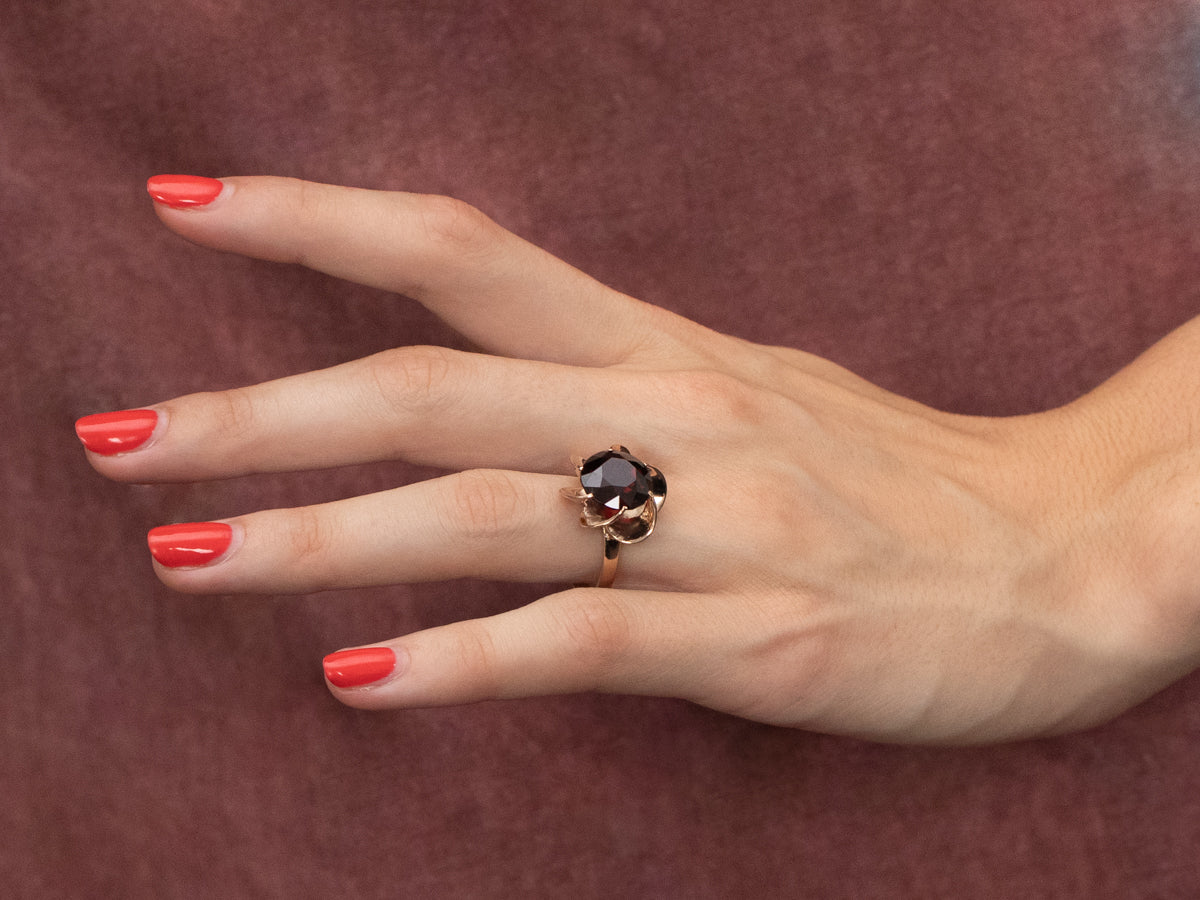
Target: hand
830,556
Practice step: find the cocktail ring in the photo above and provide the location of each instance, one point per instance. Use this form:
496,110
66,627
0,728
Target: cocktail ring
622,496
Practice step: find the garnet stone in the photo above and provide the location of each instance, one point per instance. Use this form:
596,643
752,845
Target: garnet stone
616,480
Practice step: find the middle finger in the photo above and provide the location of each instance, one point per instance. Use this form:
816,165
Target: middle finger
427,405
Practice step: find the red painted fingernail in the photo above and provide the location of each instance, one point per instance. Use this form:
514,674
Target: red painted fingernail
116,432
183,191
363,665
189,544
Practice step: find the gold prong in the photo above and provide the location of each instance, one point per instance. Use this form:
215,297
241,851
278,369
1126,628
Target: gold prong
592,520
634,512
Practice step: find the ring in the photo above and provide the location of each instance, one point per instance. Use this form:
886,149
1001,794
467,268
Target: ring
622,496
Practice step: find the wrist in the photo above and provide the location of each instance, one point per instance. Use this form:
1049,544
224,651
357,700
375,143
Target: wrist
1129,513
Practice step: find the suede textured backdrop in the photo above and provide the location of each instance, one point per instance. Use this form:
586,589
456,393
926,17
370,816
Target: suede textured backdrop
989,207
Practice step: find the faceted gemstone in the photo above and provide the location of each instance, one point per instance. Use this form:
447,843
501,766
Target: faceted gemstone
616,480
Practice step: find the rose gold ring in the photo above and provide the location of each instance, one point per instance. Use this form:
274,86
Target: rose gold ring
621,495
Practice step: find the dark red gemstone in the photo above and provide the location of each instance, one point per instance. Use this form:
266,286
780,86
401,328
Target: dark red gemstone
616,480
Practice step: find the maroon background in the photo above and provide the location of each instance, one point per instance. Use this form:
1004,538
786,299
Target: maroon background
988,207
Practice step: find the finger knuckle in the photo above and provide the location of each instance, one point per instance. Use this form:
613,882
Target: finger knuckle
787,674
451,226
485,505
309,535
781,500
308,199
412,381
307,204
598,627
234,414
778,368
475,658
710,397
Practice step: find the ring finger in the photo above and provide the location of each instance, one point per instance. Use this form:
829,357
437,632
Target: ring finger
480,523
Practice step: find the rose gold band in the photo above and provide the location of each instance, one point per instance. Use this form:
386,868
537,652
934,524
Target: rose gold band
608,570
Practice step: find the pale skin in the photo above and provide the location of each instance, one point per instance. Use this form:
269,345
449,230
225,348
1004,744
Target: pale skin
873,568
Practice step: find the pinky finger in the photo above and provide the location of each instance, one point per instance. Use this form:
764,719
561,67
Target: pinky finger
586,639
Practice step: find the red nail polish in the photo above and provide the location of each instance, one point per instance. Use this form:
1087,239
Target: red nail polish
363,665
116,432
183,191
189,544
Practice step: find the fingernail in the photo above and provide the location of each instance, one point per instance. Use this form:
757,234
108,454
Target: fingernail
116,432
184,191
189,544
363,665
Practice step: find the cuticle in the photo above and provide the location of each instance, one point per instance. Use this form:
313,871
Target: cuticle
160,426
237,537
225,193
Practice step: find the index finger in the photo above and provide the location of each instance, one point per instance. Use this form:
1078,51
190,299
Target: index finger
497,289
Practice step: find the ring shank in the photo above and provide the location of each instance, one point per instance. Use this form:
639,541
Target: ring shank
608,570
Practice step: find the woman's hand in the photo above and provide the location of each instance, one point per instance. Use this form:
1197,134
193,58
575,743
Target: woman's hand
831,556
